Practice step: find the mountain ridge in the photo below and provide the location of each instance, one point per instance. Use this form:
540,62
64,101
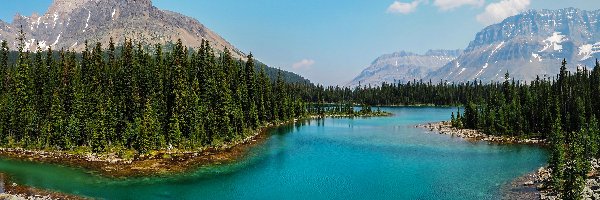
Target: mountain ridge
403,66
527,45
68,23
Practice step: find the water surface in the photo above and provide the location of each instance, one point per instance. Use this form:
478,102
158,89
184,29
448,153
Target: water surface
361,158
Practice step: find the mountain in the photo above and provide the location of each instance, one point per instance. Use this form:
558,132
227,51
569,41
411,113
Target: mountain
526,45
403,67
68,23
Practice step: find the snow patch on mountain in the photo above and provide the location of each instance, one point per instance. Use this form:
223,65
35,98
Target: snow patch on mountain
42,45
68,22
55,19
554,41
88,20
496,49
57,38
587,50
536,56
527,45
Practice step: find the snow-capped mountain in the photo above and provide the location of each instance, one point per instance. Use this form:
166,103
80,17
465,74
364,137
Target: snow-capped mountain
403,67
68,23
526,45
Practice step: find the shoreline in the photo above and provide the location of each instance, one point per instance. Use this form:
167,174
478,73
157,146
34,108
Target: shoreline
533,185
445,128
523,187
14,191
162,162
527,186
591,188
158,164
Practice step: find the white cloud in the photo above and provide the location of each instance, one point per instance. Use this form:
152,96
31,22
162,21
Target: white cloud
403,8
303,64
452,4
496,12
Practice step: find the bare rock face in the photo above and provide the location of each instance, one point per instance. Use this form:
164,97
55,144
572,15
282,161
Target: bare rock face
69,23
528,45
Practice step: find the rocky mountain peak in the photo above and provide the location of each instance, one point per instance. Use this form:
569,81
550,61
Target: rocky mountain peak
65,6
69,23
527,45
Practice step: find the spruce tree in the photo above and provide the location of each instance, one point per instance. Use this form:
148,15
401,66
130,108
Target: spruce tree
251,114
557,159
149,129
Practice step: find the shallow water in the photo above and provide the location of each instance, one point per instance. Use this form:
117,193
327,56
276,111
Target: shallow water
370,158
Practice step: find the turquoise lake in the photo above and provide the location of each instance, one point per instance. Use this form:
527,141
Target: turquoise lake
361,158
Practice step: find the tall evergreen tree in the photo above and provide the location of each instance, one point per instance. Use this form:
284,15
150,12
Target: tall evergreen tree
250,100
557,159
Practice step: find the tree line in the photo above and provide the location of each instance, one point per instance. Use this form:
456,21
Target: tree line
562,110
136,98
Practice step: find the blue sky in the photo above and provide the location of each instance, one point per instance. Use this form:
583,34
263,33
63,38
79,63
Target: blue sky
331,41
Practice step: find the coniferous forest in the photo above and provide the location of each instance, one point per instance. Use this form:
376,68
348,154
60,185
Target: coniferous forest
135,98
562,110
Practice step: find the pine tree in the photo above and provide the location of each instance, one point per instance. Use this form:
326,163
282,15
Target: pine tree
251,114
557,159
280,96
595,89
221,97
264,96
24,120
576,169
180,93
55,129
149,129
3,59
453,121
470,116
594,134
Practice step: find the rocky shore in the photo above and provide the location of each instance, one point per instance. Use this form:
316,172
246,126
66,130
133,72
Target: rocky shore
591,190
12,191
446,128
156,163
528,186
523,187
